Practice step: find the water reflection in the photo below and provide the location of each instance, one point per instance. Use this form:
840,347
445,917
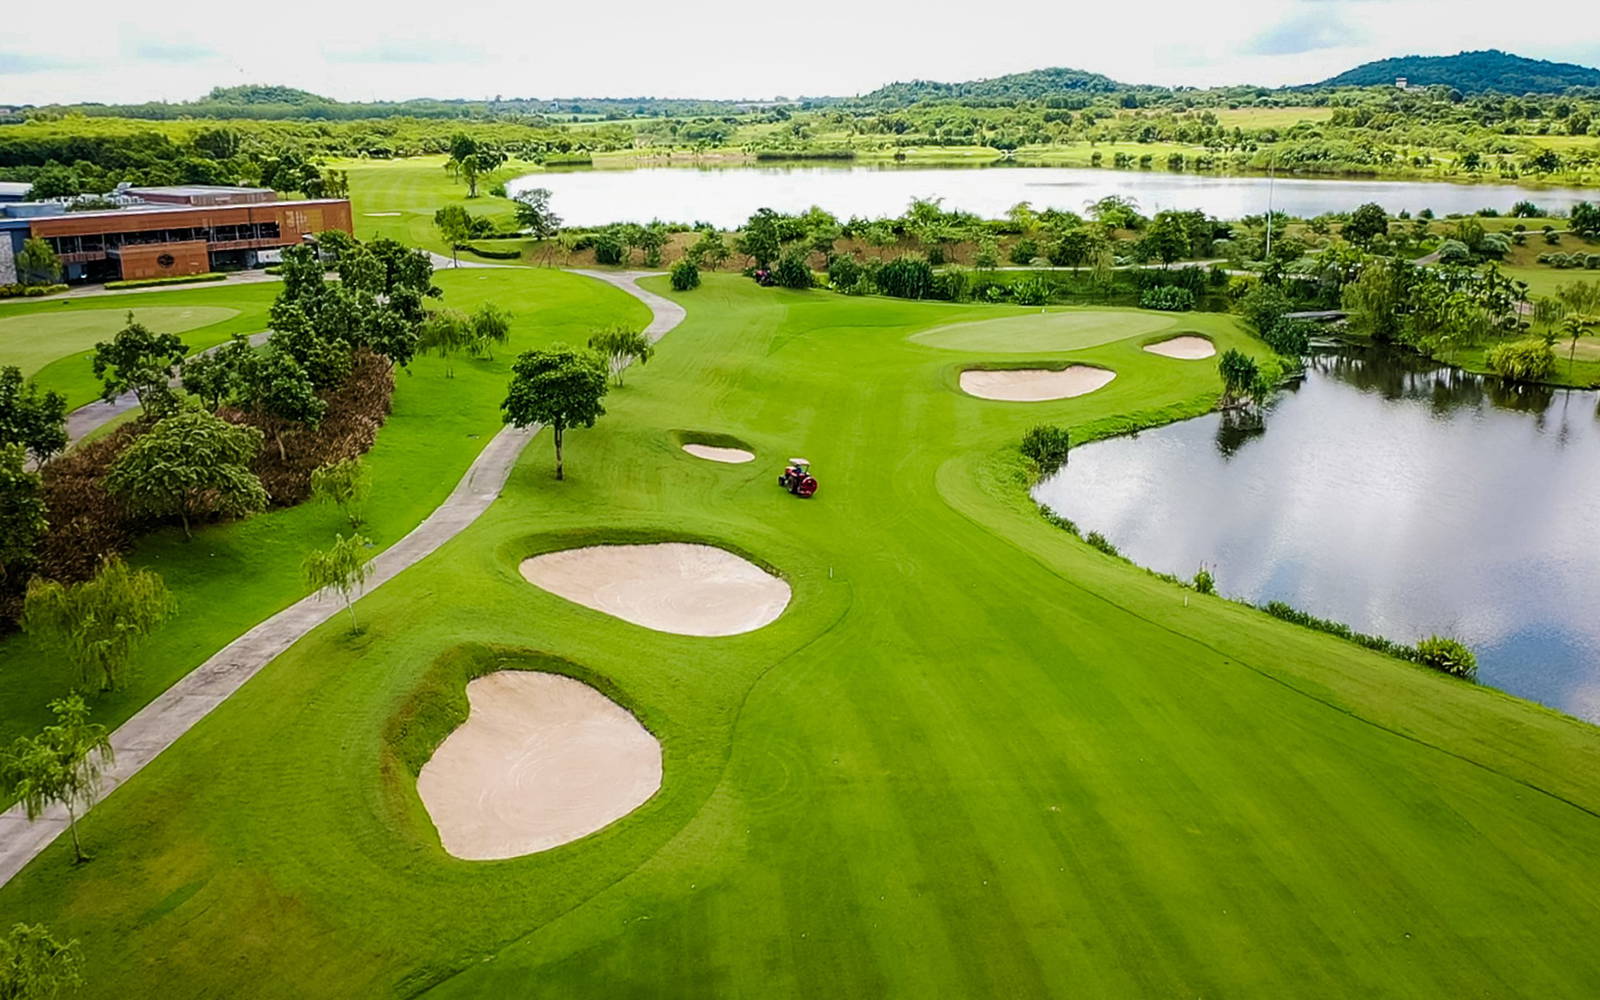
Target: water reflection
1389,492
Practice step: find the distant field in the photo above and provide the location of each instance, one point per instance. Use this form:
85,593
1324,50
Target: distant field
416,187
1271,117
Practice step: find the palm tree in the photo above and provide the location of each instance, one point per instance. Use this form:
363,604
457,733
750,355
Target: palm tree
1575,326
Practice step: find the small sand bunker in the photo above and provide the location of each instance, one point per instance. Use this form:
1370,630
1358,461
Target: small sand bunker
541,760
733,456
380,215
1032,385
670,587
1185,348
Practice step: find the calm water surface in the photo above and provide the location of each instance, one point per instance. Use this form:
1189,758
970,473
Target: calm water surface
727,196
1388,493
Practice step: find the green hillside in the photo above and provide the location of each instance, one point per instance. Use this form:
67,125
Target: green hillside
1472,73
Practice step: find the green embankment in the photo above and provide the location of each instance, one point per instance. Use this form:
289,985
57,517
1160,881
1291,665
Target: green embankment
973,758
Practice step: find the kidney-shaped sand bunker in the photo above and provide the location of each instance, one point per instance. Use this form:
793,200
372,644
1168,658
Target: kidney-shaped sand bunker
1187,347
668,586
541,760
719,453
1032,385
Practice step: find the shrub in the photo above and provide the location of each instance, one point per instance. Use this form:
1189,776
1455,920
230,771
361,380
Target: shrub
492,254
1065,524
1592,261
181,279
906,278
844,272
1031,291
1290,337
1047,445
685,276
1101,542
1023,251
1377,643
608,249
1447,656
951,285
1168,298
1263,305
29,291
1204,582
792,271
1523,360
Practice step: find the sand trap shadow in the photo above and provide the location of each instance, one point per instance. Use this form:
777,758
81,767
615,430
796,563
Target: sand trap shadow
1189,347
1032,385
677,587
542,760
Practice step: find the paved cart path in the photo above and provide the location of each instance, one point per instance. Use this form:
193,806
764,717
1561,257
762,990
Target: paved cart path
159,724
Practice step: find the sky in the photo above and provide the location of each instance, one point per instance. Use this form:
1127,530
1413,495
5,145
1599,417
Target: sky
396,49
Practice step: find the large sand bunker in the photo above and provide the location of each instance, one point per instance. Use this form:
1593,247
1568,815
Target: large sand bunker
1188,347
541,760
1032,385
670,586
714,453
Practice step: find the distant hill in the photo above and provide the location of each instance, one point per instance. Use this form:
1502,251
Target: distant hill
1471,73
1012,87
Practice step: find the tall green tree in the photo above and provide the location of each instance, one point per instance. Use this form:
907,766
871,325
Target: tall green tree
35,966
1367,223
455,227
36,262
446,332
140,361
22,511
620,347
345,484
28,417
343,568
189,465
276,386
760,240
559,387
487,326
214,376
1575,327
99,622
64,764
534,214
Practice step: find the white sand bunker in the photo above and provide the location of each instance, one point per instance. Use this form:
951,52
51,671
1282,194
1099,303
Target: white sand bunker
670,586
541,760
1032,385
733,456
379,215
1185,348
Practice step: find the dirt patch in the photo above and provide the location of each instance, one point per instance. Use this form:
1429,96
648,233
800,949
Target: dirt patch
712,453
542,760
674,587
1185,348
1032,385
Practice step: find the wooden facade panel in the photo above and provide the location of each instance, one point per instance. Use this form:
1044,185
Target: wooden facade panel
293,218
164,260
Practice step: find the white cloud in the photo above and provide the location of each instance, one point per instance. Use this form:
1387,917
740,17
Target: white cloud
395,49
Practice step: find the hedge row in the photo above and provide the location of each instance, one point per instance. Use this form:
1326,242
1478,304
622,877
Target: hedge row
29,291
182,279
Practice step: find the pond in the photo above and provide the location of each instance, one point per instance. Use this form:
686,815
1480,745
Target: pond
1392,494
726,196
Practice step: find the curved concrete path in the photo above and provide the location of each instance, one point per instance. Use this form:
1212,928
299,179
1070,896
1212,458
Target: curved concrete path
159,724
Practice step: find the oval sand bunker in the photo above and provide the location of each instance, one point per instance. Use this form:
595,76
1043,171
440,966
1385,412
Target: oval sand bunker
1185,348
541,760
670,586
733,456
1032,385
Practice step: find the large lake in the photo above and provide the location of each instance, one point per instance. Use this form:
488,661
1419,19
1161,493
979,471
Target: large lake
727,196
1388,493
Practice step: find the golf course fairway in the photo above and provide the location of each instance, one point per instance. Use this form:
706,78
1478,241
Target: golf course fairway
974,757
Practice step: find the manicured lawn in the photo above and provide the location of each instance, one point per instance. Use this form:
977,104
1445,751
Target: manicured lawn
973,758
397,198
52,340
234,575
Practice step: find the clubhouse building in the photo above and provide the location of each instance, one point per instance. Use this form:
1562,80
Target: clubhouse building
168,231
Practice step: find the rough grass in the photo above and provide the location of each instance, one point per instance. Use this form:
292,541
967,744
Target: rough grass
973,758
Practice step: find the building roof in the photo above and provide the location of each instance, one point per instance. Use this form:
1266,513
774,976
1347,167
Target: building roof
15,189
115,213
194,190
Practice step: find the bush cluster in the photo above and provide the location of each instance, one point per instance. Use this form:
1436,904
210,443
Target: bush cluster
29,291
1168,298
492,254
1292,614
178,279
1529,360
1290,337
685,276
1568,261
1047,445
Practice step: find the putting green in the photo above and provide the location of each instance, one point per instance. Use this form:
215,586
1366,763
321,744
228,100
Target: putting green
1030,333
33,340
